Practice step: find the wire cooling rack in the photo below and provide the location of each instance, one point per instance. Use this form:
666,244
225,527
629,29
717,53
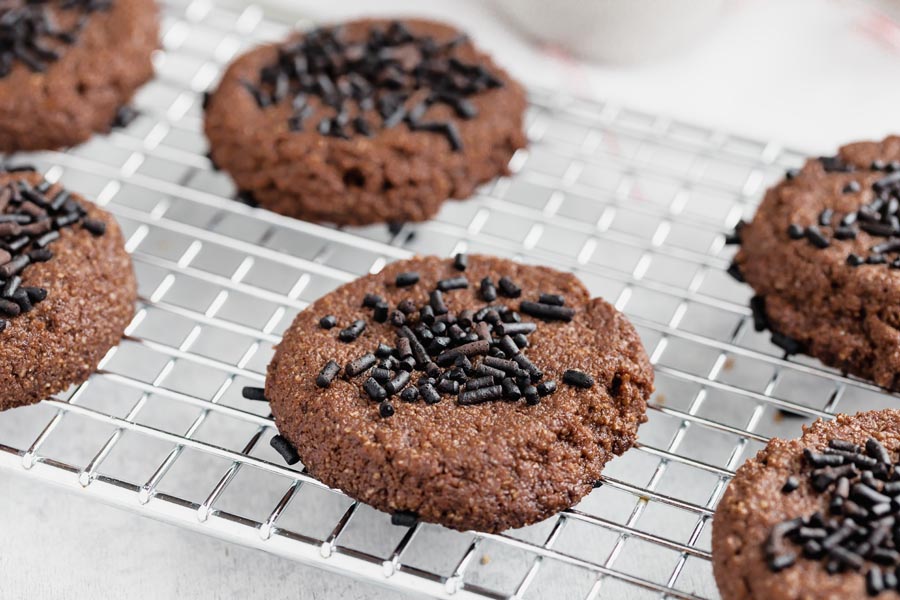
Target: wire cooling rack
634,204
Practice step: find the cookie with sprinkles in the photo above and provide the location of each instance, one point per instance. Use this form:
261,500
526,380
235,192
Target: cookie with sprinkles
366,122
815,517
427,400
68,68
67,287
823,255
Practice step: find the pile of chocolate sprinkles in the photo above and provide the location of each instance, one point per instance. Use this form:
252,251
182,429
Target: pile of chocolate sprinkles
477,355
861,530
389,79
879,218
31,218
30,34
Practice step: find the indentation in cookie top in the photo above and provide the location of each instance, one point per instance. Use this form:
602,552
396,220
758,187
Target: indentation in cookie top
388,78
860,531
31,217
36,32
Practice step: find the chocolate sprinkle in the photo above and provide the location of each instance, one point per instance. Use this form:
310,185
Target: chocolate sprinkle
795,232
125,116
487,289
407,279
429,394
285,449
371,300
327,374
374,390
455,283
554,299
577,379
788,344
359,365
352,332
511,391
254,393
549,312
735,271
391,77
483,394
509,289
816,238
758,308
545,388
855,260
404,518
844,233
790,485
380,314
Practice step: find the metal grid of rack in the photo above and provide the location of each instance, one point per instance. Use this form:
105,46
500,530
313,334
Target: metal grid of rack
634,204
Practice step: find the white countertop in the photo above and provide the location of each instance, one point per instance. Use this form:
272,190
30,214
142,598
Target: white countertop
809,73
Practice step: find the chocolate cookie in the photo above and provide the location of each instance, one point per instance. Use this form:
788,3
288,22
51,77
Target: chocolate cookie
370,121
815,517
823,254
67,288
67,67
477,393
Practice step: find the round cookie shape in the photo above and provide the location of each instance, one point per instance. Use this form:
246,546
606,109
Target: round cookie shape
812,517
67,288
823,255
366,122
514,444
74,77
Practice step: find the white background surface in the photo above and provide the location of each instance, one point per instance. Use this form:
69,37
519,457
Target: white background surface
809,73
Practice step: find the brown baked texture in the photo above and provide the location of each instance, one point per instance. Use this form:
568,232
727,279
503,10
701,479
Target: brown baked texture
397,175
91,294
79,94
845,316
754,503
488,467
